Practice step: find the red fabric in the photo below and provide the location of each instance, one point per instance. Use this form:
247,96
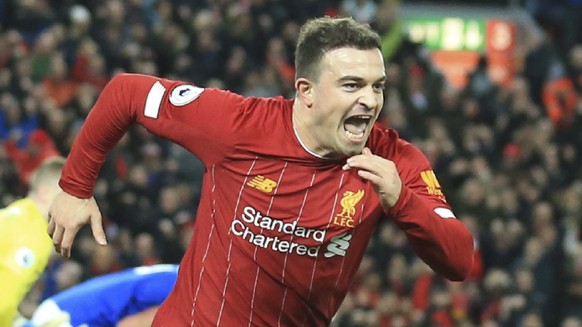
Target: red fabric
560,99
39,148
121,168
492,310
460,306
442,319
287,71
81,72
421,291
332,11
477,271
512,150
62,92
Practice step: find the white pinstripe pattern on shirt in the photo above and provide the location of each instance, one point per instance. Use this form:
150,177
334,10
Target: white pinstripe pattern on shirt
256,247
230,245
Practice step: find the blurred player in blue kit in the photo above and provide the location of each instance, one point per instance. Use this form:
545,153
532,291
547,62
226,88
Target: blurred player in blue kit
126,298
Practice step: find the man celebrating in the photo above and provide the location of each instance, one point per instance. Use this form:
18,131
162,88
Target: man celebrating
293,189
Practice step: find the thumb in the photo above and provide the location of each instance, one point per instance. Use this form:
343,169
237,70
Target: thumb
367,151
97,229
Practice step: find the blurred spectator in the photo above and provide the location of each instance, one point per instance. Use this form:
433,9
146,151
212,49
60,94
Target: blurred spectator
60,275
571,322
39,146
146,250
103,261
361,10
57,85
30,17
575,66
68,274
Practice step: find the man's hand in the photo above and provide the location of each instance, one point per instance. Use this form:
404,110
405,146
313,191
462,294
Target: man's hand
381,173
67,215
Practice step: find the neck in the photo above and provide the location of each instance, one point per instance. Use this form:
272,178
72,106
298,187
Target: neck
41,206
301,128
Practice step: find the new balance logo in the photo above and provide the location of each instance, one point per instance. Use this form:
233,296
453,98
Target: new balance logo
262,184
338,245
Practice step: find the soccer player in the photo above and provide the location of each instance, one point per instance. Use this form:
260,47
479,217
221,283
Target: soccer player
108,299
25,246
293,188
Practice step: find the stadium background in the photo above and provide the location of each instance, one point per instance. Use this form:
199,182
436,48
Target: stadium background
507,154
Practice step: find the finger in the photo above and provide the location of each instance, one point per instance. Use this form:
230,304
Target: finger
370,176
68,238
57,237
367,151
97,229
365,162
51,226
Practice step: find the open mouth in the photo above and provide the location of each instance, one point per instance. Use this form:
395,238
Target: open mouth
356,126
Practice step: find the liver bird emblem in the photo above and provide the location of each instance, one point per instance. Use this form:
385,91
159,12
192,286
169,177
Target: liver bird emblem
349,202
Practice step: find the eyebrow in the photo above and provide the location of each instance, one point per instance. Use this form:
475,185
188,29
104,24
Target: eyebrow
359,79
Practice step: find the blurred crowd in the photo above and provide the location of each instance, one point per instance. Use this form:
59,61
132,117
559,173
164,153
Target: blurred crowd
508,158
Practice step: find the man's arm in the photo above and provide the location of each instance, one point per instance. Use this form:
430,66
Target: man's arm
114,112
437,237
198,119
416,204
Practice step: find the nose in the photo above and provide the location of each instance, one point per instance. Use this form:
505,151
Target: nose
368,98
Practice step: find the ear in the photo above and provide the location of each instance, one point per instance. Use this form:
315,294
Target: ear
305,90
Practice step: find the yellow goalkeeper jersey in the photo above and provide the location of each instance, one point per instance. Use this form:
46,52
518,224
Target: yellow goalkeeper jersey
25,248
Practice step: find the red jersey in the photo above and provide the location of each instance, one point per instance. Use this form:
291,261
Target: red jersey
280,232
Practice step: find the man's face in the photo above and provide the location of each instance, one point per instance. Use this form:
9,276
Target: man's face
347,100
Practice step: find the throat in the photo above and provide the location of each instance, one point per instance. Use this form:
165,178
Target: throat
304,146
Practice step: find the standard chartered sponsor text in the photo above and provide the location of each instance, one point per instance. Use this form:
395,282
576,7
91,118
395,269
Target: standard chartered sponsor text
251,216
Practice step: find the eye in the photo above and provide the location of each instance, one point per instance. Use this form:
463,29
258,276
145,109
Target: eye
350,86
379,87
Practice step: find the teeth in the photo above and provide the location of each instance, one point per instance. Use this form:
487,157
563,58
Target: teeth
355,136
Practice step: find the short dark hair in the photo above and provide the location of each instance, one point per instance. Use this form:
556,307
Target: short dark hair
320,35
